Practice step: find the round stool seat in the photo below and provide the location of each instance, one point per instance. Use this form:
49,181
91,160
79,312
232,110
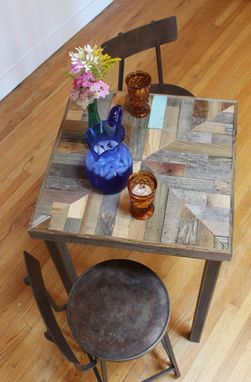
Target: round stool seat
118,310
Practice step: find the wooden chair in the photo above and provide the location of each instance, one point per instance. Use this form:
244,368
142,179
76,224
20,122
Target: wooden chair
117,310
45,304
148,36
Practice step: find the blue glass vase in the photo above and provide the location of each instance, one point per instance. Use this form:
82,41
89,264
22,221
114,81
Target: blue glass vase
109,161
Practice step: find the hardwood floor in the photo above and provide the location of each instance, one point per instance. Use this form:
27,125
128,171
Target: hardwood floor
212,58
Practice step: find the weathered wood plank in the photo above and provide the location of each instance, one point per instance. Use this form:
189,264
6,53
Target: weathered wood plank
216,219
185,119
205,238
222,187
38,220
70,147
138,139
223,240
136,230
191,197
218,200
186,183
200,109
214,128
158,109
152,144
92,209
59,214
172,219
224,118
169,132
167,169
75,126
153,229
166,155
61,196
211,171
187,227
201,137
72,225
73,136
74,115
44,208
77,208
107,215
218,139
194,147
123,217
214,107
67,184
68,158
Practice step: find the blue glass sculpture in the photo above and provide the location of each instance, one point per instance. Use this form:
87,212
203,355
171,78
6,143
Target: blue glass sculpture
109,161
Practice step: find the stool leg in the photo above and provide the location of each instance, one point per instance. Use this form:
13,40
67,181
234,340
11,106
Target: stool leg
169,350
104,371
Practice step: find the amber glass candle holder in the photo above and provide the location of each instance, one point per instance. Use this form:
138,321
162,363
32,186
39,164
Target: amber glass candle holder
142,186
138,85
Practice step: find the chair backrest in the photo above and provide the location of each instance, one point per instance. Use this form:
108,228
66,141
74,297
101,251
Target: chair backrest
151,35
43,303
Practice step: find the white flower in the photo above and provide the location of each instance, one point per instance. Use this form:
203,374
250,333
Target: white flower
88,49
86,66
84,58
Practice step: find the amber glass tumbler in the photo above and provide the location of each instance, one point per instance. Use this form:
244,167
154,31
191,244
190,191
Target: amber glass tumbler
138,84
142,186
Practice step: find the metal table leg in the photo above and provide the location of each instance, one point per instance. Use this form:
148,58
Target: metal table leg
62,261
208,282
104,370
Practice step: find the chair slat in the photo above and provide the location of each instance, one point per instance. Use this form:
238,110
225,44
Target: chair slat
145,37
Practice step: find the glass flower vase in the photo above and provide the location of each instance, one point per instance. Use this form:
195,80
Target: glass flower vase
109,161
93,115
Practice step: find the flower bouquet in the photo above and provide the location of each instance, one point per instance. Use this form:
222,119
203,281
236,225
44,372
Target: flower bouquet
89,67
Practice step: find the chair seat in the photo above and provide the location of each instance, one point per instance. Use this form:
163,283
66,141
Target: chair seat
170,89
118,310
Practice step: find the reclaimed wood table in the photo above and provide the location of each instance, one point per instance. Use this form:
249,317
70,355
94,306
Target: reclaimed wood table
188,143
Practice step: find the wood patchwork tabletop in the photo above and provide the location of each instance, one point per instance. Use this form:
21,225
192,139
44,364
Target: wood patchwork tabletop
188,143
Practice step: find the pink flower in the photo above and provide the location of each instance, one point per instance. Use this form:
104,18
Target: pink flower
75,68
100,88
84,80
86,89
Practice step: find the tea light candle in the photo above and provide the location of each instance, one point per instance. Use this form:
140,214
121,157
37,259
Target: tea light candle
141,189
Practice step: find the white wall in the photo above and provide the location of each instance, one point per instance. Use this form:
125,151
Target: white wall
32,30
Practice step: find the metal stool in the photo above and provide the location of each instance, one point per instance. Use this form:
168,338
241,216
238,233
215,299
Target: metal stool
119,310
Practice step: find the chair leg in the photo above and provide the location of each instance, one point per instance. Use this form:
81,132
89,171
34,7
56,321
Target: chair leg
57,308
104,371
27,281
169,350
48,336
95,370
